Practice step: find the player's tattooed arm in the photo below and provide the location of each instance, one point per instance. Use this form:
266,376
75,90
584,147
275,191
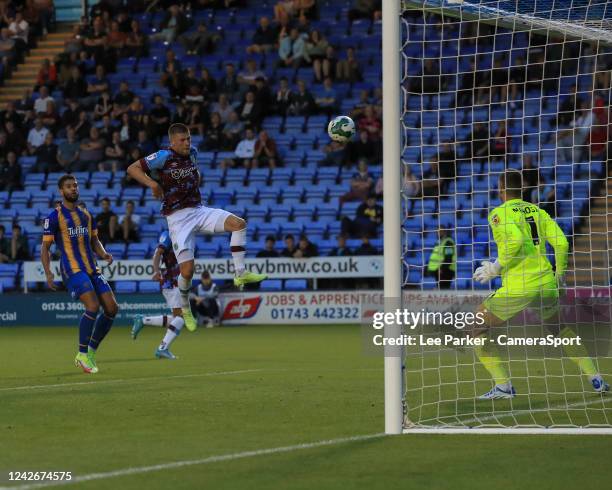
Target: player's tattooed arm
136,171
45,258
98,248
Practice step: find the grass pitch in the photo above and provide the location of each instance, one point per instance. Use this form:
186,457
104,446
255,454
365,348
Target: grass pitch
240,389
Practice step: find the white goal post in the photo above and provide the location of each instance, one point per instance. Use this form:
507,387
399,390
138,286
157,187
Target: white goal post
557,399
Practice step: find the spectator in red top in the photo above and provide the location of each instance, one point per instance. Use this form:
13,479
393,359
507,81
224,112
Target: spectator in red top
371,123
47,75
265,151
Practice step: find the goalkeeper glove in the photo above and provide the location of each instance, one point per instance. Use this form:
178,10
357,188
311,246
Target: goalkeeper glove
487,271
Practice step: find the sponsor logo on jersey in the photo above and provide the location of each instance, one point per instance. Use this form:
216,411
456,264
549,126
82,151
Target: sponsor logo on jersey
181,173
242,308
495,220
151,157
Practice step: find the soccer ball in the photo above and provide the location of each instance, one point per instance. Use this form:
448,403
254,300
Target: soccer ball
341,129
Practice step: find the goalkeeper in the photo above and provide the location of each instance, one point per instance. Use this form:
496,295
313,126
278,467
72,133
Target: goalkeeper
521,231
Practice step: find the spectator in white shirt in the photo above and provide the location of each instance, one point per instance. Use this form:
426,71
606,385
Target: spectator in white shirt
40,104
244,152
19,29
37,135
572,142
205,303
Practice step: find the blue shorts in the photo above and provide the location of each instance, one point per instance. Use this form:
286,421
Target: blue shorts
81,283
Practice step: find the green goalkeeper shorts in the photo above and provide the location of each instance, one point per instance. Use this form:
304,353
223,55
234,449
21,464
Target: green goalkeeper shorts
505,303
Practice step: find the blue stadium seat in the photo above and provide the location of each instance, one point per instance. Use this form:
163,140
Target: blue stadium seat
271,285
295,284
117,250
125,287
149,287
137,251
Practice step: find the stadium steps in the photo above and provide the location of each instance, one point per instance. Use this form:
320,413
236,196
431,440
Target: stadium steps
25,74
592,257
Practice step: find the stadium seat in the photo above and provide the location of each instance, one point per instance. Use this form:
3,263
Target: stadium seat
271,285
149,287
126,287
295,284
137,251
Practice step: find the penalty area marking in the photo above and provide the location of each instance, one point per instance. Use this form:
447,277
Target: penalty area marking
130,380
211,459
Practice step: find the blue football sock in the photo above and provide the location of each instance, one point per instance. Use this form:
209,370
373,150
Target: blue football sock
103,326
86,326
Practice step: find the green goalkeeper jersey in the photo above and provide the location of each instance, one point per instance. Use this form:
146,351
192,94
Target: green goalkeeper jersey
521,231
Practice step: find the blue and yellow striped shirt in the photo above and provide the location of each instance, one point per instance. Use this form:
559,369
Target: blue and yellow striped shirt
71,230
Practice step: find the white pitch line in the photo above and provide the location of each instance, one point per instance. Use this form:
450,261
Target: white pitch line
194,462
129,380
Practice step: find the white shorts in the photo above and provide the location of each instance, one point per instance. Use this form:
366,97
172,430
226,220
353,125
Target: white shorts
173,298
185,223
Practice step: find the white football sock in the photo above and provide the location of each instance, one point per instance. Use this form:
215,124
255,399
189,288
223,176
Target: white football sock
172,332
184,286
156,321
239,239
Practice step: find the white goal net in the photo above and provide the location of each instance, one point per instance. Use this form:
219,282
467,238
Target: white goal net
488,86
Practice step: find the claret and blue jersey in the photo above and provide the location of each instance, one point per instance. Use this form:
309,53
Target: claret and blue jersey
178,176
172,270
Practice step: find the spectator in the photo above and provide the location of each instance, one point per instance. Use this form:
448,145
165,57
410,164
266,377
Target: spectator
314,53
228,84
371,123
20,249
205,303
3,146
233,130
7,48
45,10
571,142
335,154
431,185
282,100
122,100
14,139
251,112
265,152
500,142
209,84
362,183
5,246
244,152
531,179
47,75
172,26
264,38
341,249
305,248
327,99
103,107
82,127
302,102
478,142
10,173
365,9
247,77
348,70
10,114
290,247
222,107
91,151
75,87
136,40
368,218
366,248
443,260
114,153
447,164
46,156
363,148
291,48
116,39
263,97
50,117
200,42
129,223
145,146
411,186
97,86
70,116
68,151
37,135
106,221
284,10
40,104
19,29
214,140
268,250
160,118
